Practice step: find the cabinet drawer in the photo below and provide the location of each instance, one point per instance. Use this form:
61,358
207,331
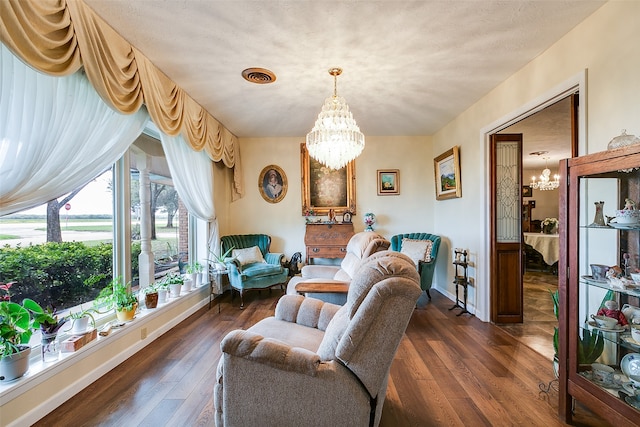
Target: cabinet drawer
326,251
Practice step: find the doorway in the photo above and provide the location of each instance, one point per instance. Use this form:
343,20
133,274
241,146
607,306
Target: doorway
547,136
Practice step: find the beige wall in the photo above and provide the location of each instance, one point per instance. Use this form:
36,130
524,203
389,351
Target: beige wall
412,210
605,45
547,202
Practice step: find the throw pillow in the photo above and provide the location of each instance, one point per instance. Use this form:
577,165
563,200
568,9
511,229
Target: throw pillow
417,250
248,255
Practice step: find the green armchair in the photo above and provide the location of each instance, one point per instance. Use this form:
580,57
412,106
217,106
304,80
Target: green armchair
423,256
251,265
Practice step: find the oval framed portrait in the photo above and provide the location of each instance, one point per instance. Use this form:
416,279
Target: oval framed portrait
272,183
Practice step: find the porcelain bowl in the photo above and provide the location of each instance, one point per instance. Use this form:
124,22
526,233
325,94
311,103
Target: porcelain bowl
605,322
627,216
635,333
636,278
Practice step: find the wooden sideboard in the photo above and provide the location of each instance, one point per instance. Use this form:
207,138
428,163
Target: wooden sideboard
327,240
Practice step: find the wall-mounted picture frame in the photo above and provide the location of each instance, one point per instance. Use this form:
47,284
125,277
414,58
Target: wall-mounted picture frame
324,188
447,174
388,182
527,191
272,183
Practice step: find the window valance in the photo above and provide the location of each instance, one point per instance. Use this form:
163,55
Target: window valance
59,37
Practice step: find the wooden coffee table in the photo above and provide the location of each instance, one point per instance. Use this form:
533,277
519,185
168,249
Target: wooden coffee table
323,288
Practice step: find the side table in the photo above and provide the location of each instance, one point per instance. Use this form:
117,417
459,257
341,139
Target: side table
216,278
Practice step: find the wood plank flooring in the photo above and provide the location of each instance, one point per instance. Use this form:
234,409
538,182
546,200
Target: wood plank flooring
449,371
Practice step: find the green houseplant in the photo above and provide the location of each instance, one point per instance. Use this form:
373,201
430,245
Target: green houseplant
174,282
17,323
219,260
119,296
151,296
81,319
194,269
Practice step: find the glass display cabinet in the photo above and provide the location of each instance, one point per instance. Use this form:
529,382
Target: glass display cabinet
599,255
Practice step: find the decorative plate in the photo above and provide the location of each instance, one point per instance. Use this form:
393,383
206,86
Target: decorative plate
591,279
632,226
633,401
631,342
630,364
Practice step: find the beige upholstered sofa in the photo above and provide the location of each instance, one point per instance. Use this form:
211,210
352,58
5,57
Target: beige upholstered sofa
360,246
316,363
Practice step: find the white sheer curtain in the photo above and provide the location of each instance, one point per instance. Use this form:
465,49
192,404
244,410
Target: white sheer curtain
192,174
56,134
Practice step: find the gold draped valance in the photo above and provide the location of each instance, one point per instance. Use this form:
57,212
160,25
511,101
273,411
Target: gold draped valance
58,37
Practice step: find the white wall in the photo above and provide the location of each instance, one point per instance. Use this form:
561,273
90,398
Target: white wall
604,45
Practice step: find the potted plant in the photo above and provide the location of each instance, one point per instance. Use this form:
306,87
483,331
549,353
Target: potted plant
163,291
17,323
81,320
194,269
151,296
119,296
174,281
49,327
219,260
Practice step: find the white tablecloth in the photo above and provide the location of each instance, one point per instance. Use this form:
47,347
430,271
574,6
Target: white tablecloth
547,244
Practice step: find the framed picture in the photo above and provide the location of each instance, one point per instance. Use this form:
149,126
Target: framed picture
324,188
447,174
527,191
272,183
388,182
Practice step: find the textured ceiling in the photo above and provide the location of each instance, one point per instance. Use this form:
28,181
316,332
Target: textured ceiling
410,67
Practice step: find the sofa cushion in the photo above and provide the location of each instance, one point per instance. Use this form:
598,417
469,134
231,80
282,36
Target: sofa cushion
417,250
248,255
260,269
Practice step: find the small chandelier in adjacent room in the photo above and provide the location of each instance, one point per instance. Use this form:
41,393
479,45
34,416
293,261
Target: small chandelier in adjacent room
335,139
544,181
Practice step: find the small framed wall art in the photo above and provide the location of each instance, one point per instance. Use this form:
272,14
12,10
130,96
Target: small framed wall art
388,182
272,183
447,174
527,191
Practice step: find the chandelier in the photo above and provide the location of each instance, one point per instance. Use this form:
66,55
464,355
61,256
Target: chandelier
335,139
545,182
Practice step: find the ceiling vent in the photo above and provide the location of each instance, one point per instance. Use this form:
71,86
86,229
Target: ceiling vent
260,76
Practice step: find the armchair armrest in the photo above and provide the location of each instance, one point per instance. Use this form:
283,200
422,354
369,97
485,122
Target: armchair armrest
271,352
309,312
273,258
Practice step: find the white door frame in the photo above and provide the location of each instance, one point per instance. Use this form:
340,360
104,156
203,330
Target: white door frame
577,83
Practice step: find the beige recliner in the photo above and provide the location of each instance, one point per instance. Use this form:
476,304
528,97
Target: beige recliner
316,363
360,246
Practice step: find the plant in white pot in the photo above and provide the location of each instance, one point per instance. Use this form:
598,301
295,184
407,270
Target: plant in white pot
163,291
81,320
174,282
220,260
194,269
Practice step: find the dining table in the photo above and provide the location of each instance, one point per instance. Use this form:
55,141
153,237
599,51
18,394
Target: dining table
548,245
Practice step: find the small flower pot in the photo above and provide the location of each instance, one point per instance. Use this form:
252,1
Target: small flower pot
174,290
186,286
126,315
15,365
163,294
80,325
151,300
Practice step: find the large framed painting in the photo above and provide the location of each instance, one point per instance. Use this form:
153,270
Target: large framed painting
447,174
324,189
272,183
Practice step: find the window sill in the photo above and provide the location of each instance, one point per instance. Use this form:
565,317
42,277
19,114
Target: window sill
40,372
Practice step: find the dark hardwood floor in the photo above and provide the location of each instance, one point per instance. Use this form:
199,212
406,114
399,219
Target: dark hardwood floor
449,371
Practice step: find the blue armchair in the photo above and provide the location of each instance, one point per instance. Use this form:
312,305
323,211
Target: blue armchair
426,267
251,265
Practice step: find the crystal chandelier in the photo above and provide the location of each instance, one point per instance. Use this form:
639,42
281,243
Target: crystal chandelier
335,139
545,182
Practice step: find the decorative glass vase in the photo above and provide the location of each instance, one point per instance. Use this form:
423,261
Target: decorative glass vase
49,347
